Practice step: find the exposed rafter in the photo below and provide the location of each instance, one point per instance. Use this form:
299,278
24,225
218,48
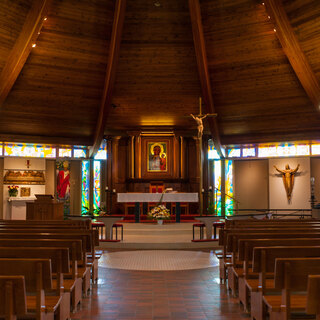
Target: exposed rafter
293,51
22,47
202,62
114,49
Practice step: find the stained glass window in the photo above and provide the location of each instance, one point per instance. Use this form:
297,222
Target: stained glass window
79,153
229,187
249,152
85,186
234,153
29,150
0,149
285,150
96,184
64,153
212,153
315,149
217,184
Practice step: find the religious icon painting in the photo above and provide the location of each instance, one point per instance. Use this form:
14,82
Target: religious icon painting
157,157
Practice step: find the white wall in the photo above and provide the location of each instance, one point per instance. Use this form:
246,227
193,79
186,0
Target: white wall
251,183
21,164
300,198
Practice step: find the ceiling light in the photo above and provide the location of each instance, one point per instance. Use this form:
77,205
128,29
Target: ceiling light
157,3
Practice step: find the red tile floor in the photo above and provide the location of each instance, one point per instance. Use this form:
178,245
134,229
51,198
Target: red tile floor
187,294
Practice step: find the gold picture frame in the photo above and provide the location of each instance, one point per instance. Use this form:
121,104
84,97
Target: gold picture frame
25,192
157,156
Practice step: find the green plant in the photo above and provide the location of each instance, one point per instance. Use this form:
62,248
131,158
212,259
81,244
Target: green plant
94,213
210,208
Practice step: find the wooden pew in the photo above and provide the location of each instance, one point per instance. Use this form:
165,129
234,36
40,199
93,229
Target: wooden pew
83,270
235,270
38,278
250,281
226,261
13,297
60,264
313,296
91,241
291,274
72,283
264,262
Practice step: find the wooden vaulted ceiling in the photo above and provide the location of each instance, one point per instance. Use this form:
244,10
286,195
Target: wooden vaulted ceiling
108,66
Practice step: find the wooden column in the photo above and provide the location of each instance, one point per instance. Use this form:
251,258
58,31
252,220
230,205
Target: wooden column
176,158
182,158
137,155
199,172
131,157
205,184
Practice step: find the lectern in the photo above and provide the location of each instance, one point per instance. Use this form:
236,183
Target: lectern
44,208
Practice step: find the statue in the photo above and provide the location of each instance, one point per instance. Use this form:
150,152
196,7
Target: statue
288,178
199,123
199,119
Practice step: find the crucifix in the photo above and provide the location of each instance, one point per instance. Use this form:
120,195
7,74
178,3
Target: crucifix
198,118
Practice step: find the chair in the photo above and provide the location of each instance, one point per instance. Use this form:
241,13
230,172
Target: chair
201,228
116,226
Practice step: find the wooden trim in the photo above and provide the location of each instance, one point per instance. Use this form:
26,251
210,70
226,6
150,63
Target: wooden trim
22,47
114,50
203,70
293,51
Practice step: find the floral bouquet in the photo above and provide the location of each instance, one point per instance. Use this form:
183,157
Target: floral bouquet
13,191
160,212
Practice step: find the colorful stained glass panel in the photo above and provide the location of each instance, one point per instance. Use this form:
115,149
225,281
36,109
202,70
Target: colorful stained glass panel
85,185
229,187
248,152
64,153
217,184
80,153
96,184
315,149
234,153
29,150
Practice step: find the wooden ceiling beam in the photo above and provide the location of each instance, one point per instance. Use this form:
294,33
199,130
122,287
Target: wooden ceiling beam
203,70
22,47
293,51
113,58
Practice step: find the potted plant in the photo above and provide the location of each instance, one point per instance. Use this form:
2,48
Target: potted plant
13,191
159,213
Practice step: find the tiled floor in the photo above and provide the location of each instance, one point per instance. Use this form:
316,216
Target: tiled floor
184,294
158,260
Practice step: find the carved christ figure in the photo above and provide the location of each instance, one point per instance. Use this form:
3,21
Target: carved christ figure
288,178
199,122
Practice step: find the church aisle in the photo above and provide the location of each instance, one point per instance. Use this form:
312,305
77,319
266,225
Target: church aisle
183,294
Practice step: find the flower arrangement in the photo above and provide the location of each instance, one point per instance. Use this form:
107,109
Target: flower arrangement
160,212
13,191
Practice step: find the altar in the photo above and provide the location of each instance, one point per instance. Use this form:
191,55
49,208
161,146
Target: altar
138,198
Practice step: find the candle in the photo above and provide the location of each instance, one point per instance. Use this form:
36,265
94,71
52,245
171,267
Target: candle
210,188
202,190
114,190
107,188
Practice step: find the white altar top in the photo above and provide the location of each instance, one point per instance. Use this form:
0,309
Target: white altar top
17,208
155,197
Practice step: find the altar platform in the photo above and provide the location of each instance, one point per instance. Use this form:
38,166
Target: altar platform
154,236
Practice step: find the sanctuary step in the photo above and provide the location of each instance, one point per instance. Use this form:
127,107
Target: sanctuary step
154,236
